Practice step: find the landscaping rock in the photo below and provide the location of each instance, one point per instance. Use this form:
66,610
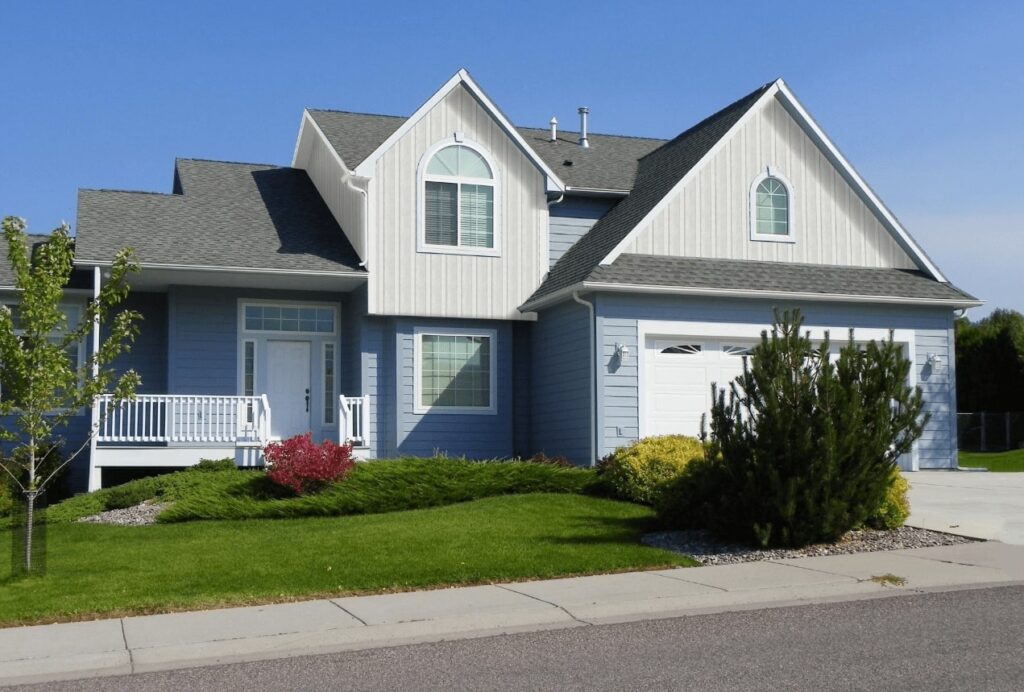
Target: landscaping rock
706,550
139,515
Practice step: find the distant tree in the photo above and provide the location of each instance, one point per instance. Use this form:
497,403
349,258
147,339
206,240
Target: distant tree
990,362
41,386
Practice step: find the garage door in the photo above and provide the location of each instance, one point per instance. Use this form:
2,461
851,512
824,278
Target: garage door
678,372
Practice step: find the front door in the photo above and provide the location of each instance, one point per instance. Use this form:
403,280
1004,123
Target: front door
288,367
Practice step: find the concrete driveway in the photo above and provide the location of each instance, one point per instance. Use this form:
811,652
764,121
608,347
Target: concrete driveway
969,503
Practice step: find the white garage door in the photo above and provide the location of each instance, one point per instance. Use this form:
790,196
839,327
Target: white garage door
678,372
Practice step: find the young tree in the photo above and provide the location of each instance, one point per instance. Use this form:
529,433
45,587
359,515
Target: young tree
804,446
40,386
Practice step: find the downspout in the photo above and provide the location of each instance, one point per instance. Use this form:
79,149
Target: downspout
593,376
347,182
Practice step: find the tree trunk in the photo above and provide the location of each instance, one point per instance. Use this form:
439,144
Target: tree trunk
30,503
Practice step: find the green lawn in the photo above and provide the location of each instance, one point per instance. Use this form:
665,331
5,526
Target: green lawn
994,461
108,570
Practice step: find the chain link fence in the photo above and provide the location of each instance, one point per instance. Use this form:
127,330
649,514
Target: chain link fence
990,432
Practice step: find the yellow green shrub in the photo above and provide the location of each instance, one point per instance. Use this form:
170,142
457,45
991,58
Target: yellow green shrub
638,472
895,507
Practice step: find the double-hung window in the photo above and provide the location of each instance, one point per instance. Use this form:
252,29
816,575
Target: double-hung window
455,371
458,202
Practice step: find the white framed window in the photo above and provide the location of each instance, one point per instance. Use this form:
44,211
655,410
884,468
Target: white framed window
73,313
771,208
330,401
458,200
292,318
455,371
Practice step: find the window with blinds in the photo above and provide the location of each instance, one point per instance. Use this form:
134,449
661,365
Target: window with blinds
458,200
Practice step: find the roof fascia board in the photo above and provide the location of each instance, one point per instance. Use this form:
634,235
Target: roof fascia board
888,219
692,173
366,167
564,294
595,192
226,270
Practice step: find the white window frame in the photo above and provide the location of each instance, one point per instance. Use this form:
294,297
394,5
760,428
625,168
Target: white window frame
771,172
329,404
418,407
421,198
82,344
285,304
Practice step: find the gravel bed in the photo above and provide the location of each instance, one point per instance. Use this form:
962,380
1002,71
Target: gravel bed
139,515
705,549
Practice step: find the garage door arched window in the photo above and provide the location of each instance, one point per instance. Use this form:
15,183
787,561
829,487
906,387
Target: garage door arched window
771,208
458,191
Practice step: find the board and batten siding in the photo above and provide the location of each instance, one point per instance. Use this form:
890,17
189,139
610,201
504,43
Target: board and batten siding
570,220
710,215
404,281
561,380
476,436
619,390
346,204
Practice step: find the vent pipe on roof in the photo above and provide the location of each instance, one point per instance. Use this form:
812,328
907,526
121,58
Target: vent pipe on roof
554,129
583,111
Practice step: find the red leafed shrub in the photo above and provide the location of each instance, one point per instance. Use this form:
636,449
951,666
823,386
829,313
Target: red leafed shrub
302,465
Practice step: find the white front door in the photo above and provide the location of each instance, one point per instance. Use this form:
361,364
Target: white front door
679,372
288,380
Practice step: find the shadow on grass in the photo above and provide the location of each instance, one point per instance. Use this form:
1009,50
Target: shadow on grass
615,530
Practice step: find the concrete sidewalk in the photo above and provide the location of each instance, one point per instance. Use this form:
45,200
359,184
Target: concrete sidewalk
178,640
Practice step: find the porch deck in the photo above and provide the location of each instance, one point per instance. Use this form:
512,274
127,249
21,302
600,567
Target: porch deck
168,430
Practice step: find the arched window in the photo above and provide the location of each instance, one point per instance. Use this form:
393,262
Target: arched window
771,209
458,201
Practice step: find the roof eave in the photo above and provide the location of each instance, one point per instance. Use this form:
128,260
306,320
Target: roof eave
564,293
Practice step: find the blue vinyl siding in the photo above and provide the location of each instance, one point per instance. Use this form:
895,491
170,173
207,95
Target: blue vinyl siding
561,383
476,436
148,355
569,221
619,392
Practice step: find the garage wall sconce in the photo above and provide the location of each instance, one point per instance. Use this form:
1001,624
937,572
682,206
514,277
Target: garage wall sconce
934,360
622,353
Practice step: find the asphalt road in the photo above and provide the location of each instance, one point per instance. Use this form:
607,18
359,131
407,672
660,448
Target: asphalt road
956,640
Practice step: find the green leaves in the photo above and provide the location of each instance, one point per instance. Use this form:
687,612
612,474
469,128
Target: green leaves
44,379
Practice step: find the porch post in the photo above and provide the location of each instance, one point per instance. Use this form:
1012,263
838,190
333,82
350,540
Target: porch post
95,473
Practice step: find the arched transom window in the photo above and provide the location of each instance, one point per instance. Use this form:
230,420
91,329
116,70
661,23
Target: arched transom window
771,216
458,200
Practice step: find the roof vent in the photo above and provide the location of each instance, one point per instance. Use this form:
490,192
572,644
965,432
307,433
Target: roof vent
583,111
554,129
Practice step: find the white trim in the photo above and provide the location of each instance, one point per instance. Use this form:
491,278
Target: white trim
888,219
790,236
368,165
243,302
422,177
565,293
226,270
692,173
686,329
417,370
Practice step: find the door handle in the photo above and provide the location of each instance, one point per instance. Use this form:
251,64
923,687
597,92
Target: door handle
307,401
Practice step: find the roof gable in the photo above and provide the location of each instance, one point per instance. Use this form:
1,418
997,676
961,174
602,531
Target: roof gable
460,78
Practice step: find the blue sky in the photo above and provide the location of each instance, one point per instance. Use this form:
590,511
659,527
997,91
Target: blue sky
925,98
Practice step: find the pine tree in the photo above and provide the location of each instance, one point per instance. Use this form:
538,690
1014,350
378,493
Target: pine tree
804,446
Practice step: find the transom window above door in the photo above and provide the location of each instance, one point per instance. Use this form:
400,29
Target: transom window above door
457,210
289,318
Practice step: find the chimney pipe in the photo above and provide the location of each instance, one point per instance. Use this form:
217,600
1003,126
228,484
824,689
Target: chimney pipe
554,129
583,111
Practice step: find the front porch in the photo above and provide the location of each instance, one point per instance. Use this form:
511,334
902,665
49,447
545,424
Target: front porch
176,430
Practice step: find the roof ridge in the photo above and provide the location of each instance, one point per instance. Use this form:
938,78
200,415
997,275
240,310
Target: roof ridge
345,112
594,134
128,192
772,263
229,163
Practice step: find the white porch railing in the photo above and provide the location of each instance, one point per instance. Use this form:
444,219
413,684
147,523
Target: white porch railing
354,420
184,419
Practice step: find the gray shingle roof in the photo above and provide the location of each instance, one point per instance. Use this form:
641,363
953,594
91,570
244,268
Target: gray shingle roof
778,277
230,215
609,164
6,273
658,173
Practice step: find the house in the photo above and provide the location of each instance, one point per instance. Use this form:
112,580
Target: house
450,282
